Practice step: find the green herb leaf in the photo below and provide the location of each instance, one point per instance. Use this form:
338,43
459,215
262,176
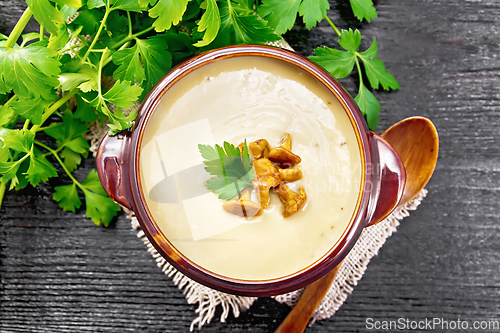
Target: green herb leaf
122,94
337,62
229,191
46,14
40,170
6,115
68,130
100,208
129,65
375,69
232,169
129,5
363,9
84,111
152,53
368,105
8,169
67,197
85,79
19,140
210,22
280,14
167,13
71,159
243,28
156,59
313,11
89,19
30,71
31,108
91,4
121,121
20,180
59,39
350,40
145,3
69,3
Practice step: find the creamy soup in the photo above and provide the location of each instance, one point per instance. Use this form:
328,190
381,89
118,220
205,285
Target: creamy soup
250,98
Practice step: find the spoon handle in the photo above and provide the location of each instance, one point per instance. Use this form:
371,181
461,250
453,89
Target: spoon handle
298,318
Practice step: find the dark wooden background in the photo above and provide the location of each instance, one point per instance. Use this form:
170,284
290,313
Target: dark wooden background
61,273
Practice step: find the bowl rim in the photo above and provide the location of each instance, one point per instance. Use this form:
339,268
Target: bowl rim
268,287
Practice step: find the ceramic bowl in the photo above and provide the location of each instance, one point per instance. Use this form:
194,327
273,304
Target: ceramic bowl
382,176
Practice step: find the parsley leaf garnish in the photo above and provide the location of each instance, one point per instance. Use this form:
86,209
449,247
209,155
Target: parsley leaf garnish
231,167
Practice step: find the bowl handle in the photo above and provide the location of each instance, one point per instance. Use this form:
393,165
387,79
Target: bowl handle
112,162
391,180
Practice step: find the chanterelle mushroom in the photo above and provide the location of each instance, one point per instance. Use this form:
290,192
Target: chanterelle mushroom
259,148
293,201
290,175
286,142
283,157
243,207
267,176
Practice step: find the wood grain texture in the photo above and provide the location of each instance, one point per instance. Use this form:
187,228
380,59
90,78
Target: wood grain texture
60,273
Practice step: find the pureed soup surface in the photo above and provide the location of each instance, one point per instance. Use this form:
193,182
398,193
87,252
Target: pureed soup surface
250,98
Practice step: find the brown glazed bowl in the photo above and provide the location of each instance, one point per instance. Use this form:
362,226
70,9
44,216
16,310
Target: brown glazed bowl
382,178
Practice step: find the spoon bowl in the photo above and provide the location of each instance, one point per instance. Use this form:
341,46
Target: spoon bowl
416,141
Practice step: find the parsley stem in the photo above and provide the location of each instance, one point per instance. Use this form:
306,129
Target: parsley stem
3,186
53,108
54,153
332,25
12,99
41,32
359,71
99,71
130,37
26,123
18,29
129,23
96,35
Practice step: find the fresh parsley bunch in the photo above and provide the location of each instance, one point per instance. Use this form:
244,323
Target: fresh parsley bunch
51,85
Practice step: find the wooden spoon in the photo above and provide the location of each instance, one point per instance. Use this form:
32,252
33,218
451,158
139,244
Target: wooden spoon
416,141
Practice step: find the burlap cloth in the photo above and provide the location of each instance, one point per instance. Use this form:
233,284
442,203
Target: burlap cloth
351,271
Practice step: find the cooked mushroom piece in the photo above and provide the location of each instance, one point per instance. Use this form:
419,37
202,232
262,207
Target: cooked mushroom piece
267,176
286,142
259,148
243,207
290,175
283,157
293,201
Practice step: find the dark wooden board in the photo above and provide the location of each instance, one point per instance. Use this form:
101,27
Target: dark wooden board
61,273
